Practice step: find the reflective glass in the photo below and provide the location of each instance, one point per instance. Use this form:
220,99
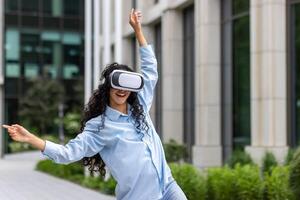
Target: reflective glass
31,70
11,5
12,45
52,8
297,68
239,6
71,7
12,69
241,81
30,6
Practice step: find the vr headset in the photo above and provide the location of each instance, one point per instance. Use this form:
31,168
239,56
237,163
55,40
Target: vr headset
125,80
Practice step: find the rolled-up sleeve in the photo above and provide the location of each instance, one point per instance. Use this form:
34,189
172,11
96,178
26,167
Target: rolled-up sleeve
150,75
85,144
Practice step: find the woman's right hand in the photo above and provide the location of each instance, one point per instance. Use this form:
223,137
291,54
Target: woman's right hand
18,133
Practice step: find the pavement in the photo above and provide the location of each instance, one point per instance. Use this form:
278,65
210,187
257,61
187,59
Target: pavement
19,181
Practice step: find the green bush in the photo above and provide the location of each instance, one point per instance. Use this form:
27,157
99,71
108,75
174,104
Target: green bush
189,179
289,156
220,183
294,178
59,170
72,123
108,187
277,184
175,152
241,157
91,182
248,184
268,162
240,183
15,147
74,172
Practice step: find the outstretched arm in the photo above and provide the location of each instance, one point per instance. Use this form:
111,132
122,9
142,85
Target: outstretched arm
20,134
148,62
86,144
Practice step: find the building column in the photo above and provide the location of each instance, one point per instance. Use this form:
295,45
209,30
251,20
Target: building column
1,77
106,29
118,31
268,79
87,50
96,33
172,73
207,151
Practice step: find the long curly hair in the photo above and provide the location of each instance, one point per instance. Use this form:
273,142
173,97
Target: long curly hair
97,106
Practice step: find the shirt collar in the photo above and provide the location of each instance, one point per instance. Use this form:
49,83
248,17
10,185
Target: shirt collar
114,114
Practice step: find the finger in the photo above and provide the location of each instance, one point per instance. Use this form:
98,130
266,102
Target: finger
5,126
16,126
132,11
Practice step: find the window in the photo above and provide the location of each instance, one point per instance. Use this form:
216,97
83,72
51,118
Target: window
236,73
158,92
52,7
12,45
30,6
11,6
71,7
294,74
188,77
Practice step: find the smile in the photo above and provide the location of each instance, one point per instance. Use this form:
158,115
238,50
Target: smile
121,95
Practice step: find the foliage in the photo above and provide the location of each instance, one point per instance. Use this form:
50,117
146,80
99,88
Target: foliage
74,172
108,187
220,183
248,184
60,170
175,152
19,147
294,178
289,156
239,157
277,184
269,161
72,123
39,106
240,183
190,180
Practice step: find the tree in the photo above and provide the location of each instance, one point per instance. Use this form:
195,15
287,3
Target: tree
39,106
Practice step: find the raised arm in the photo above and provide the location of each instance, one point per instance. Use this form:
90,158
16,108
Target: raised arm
148,62
86,144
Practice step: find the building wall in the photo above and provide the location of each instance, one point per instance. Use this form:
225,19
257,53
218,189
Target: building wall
42,39
226,82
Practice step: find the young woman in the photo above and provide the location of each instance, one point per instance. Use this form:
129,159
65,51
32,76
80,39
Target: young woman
117,132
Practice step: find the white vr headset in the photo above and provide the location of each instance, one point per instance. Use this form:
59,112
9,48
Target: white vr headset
125,80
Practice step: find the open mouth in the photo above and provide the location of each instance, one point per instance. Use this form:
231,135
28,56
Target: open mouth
120,95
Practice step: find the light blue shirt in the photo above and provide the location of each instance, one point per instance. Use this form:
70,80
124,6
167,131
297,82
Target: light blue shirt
135,160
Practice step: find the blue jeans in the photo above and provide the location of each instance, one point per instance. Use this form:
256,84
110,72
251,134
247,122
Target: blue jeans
173,192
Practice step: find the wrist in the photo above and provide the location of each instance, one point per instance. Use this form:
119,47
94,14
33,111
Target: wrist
30,138
138,31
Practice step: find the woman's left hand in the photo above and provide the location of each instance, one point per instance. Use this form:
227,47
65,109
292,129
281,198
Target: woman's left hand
135,20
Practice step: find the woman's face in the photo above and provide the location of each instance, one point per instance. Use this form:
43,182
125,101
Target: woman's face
118,97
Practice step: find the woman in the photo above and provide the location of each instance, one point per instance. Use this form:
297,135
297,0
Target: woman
117,132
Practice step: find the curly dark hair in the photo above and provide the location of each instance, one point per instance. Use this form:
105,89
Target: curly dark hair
97,106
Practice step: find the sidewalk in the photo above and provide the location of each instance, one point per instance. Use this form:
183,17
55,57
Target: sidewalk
19,181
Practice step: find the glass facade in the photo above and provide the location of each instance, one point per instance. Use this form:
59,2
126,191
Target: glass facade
189,78
43,38
294,71
158,91
236,120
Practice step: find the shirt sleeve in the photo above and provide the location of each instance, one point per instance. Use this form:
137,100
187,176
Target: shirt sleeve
85,144
150,75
